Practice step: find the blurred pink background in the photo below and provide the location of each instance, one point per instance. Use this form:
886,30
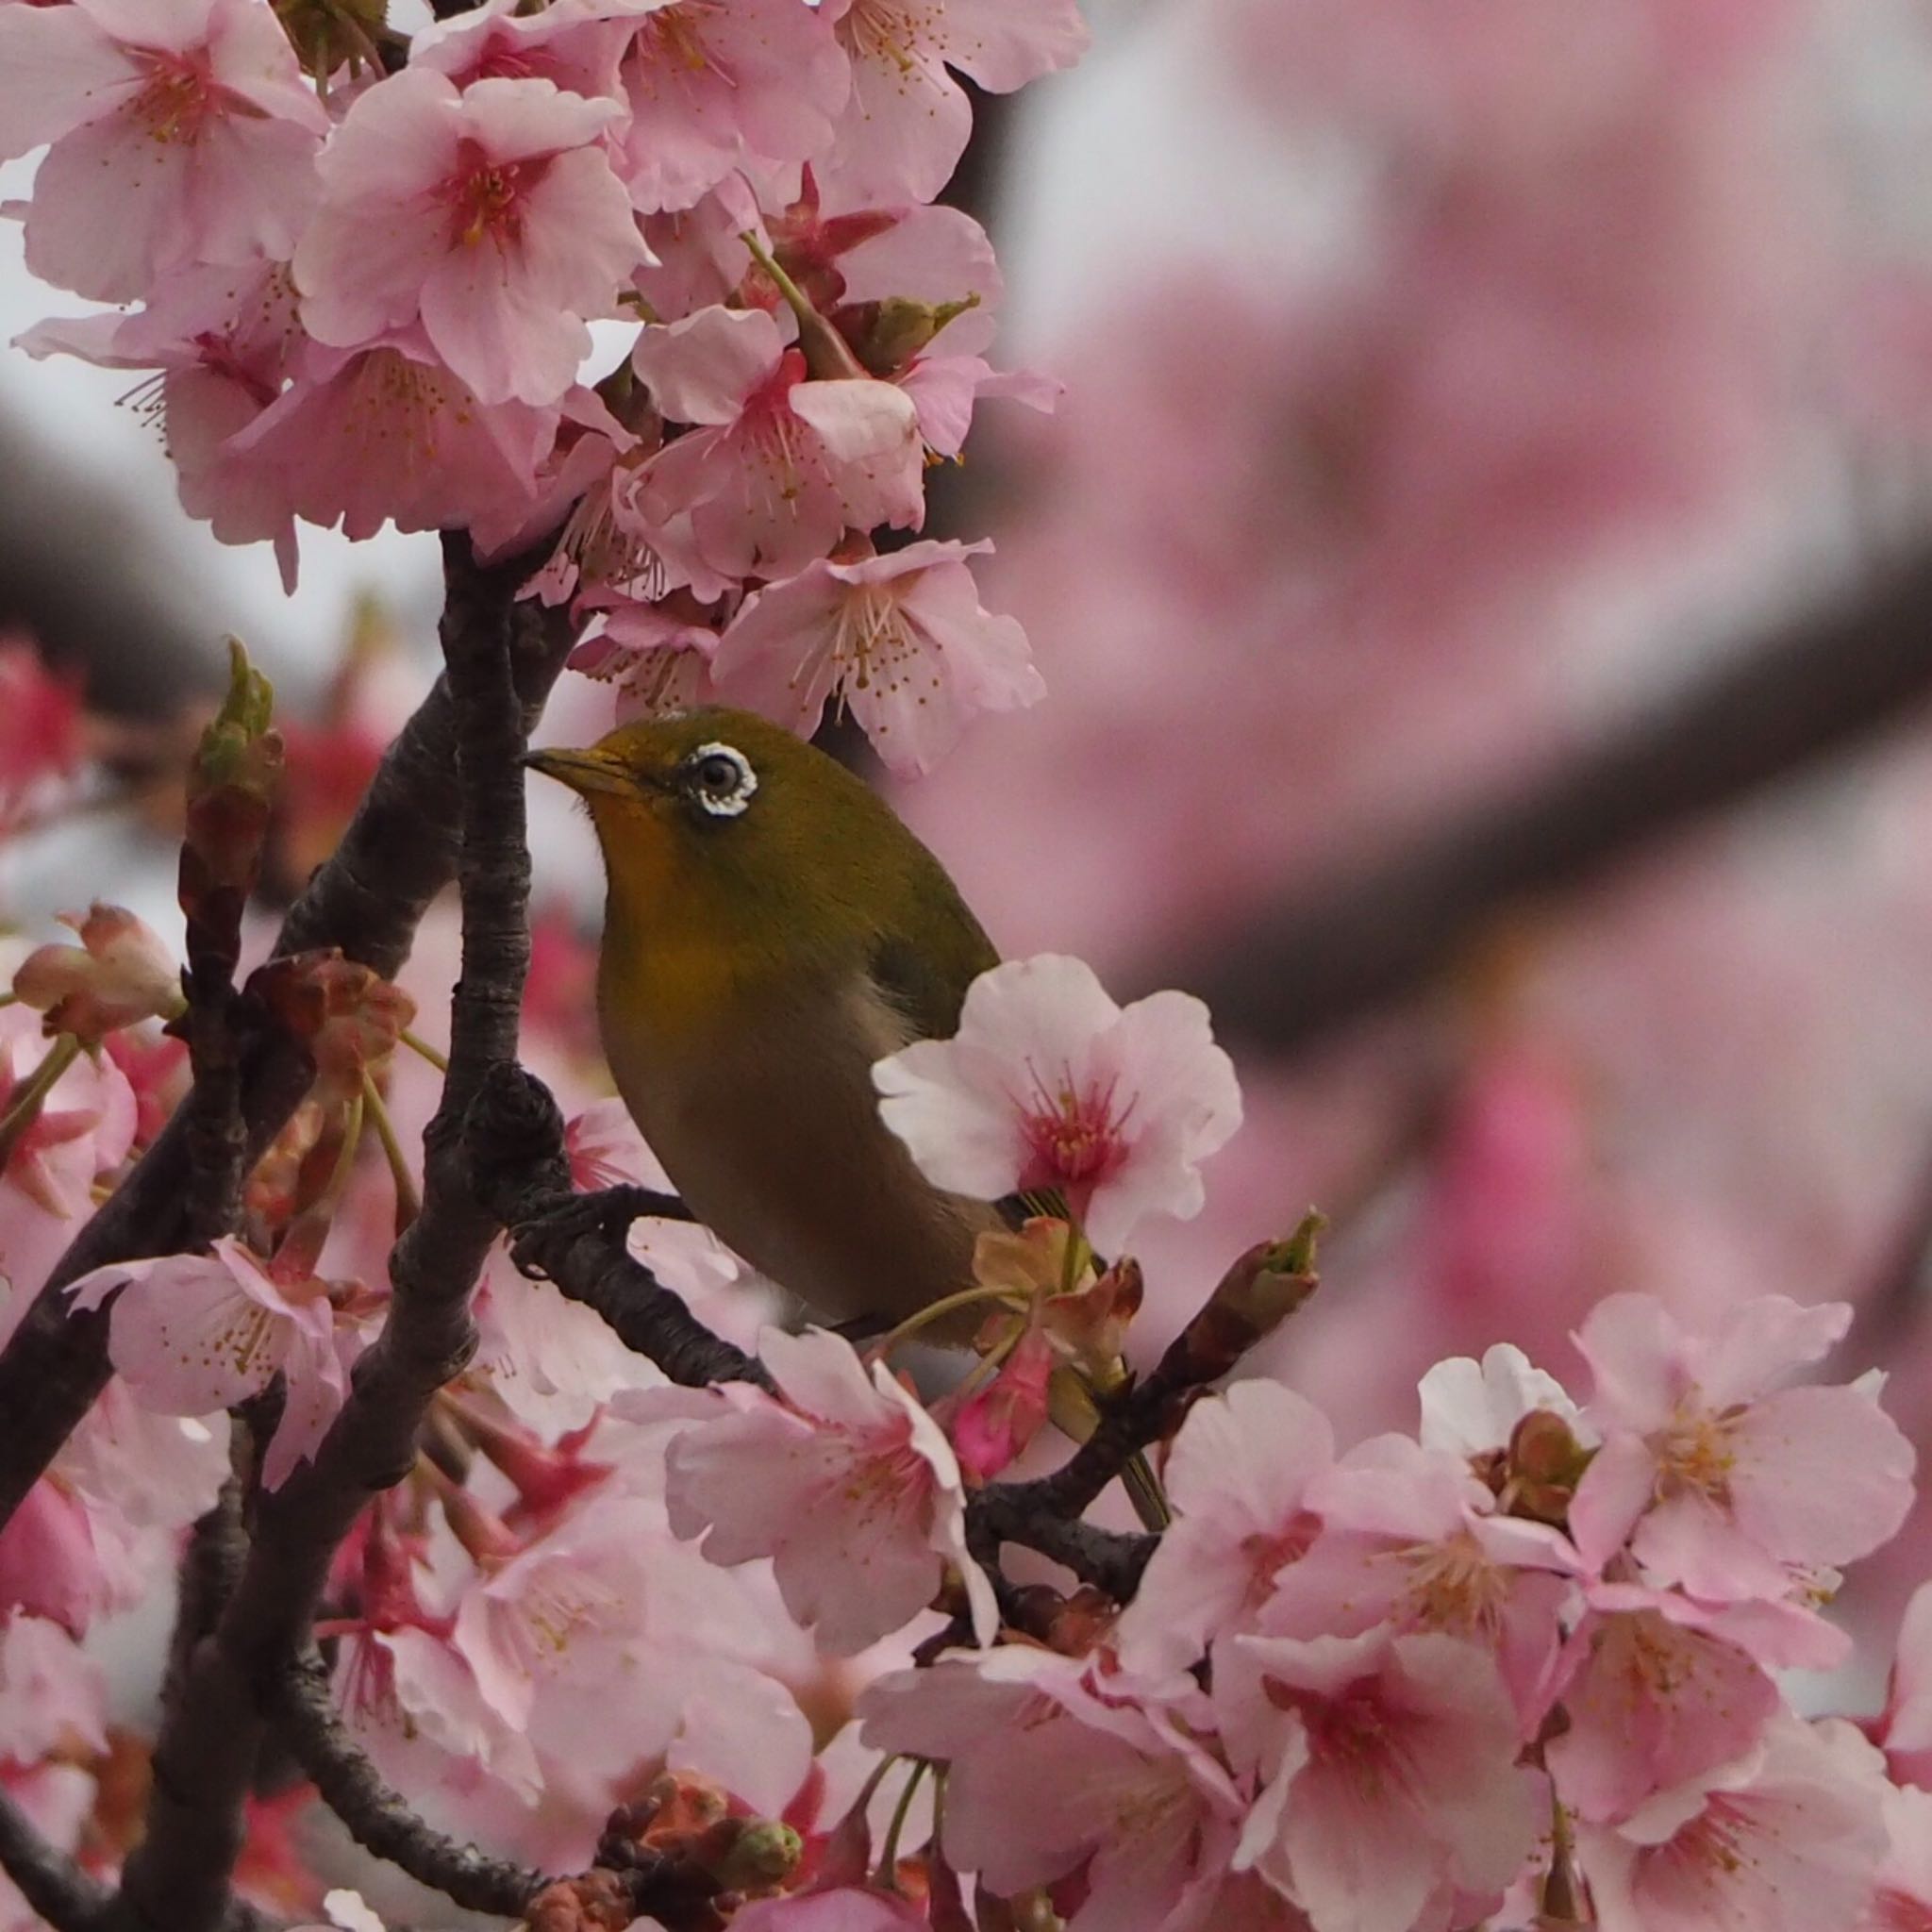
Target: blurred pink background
1451,384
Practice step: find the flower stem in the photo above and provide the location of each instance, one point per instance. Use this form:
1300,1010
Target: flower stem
888,1852
990,1364
1560,1902
417,1044
934,1311
24,1108
794,296
1075,1256
409,1203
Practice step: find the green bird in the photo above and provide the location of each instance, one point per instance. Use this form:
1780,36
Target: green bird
772,929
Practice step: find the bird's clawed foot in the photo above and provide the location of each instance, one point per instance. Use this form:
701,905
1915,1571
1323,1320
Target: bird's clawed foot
538,1245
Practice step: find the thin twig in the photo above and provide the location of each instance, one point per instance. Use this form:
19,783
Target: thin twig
51,1884
514,1139
398,853
176,1878
1111,1560
379,1819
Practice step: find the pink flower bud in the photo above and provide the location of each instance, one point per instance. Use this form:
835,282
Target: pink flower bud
992,1428
119,973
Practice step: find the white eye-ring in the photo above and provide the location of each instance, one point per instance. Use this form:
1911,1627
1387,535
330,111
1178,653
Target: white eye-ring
721,780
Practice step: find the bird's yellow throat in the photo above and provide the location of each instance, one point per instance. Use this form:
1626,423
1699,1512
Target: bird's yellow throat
672,962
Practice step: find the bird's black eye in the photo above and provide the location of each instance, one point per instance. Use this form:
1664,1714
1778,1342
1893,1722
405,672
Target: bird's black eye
721,779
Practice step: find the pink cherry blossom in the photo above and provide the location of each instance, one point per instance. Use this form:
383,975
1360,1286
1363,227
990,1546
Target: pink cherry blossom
491,214
934,256
152,1473
182,132
1787,1838
552,1361
605,1642
194,1334
996,1423
1902,1901
389,435
778,467
1049,1084
657,661
1471,1409
52,1693
1905,1730
905,124
575,45
48,1567
944,389
84,1127
1388,1773
223,341
902,642
1237,1476
575,481
846,1484
410,1699
1411,1540
41,742
1652,1704
1051,1770
119,973
713,84
1718,1481
837,1908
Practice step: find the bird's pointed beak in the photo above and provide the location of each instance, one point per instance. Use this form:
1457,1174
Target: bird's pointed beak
584,772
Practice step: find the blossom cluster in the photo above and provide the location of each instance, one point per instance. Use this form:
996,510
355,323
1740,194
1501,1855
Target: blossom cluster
367,270
1525,1660
1526,1664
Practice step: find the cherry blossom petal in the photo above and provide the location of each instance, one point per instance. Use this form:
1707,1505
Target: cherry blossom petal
1048,1084
191,1334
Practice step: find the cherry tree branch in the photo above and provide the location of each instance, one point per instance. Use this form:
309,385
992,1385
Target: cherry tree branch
1113,1561
514,1138
399,852
1261,1289
379,1818
1381,928
51,1884
176,1879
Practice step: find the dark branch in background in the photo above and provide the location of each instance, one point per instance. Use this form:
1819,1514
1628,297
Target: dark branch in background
176,1878
1381,929
80,575
515,1144
397,853
378,1818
